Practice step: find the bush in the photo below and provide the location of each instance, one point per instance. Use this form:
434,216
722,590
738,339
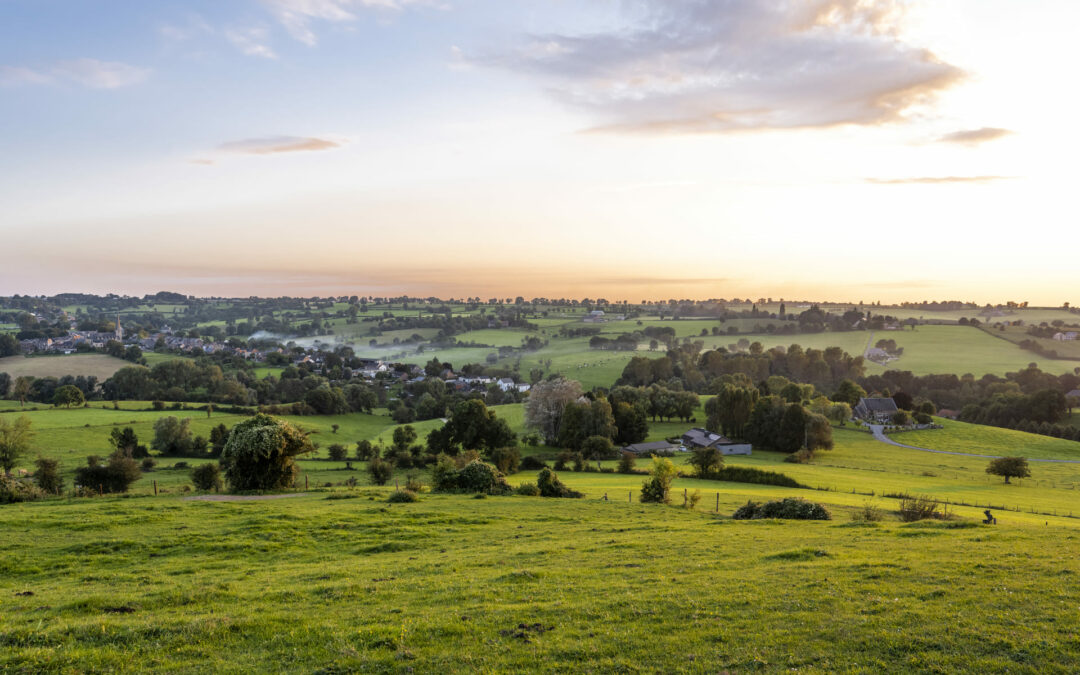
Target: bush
549,485
745,474
867,514
481,477
919,508
692,500
506,460
403,497
115,476
655,490
14,489
158,405
527,490
260,452
444,475
598,447
532,463
380,471
337,452
413,484
47,475
627,462
207,477
802,456
148,464
790,508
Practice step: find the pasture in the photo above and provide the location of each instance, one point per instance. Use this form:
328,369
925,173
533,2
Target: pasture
101,366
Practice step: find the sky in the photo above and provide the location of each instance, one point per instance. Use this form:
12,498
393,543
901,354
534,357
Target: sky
843,150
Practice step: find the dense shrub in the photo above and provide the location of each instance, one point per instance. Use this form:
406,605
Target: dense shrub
47,475
115,476
745,474
790,508
527,490
869,513
532,463
476,476
380,471
147,463
598,447
444,475
627,462
14,489
414,484
337,452
549,485
506,460
918,508
207,477
655,489
260,452
403,497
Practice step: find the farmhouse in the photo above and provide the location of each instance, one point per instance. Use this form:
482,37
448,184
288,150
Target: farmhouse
1068,336
595,316
702,438
876,410
650,448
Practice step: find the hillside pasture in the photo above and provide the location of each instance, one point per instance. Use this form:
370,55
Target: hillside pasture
100,366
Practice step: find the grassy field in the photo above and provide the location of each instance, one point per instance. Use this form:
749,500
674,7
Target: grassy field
517,584
101,366
983,440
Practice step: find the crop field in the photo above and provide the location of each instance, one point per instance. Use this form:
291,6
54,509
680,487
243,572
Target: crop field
1065,348
101,366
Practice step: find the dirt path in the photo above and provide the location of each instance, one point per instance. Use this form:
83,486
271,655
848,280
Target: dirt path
879,435
240,498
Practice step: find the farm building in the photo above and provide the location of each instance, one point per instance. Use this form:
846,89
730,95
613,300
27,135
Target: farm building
702,438
876,410
650,448
1074,394
948,413
1068,336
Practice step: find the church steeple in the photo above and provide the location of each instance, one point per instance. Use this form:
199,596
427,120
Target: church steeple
119,329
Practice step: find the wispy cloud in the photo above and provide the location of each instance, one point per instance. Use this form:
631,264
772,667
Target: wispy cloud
298,15
936,180
90,73
699,67
975,136
278,144
253,41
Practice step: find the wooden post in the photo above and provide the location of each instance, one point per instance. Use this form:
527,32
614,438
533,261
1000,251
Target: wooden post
100,490
305,482
630,496
684,496
718,502
155,488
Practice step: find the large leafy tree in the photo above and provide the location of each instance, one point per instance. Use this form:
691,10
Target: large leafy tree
261,452
15,441
1009,467
472,426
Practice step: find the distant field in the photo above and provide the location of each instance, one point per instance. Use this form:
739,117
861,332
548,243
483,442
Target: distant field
983,440
98,365
1016,334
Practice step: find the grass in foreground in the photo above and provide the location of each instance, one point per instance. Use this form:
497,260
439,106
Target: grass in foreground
522,584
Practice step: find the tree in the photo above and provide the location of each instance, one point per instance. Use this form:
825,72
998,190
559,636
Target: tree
1009,467
380,470
597,447
47,475
707,461
116,476
337,452
546,404
404,437
219,436
819,434
849,392
472,426
631,422
126,441
793,428
261,452
364,450
5,385
655,489
584,419
15,441
68,395
9,346
21,389
207,477
172,436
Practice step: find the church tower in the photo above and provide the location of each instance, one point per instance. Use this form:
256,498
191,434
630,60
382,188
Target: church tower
119,329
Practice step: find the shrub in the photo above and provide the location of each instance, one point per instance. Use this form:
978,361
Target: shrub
506,460
337,452
655,489
481,477
800,456
47,475
707,461
413,484
444,475
692,500
402,497
365,450
867,514
380,471
598,447
527,490
562,459
549,485
158,405
918,508
745,474
148,464
790,508
14,489
627,462
207,477
531,440
115,476
532,463
260,452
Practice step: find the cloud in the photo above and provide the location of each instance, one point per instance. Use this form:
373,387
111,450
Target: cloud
975,136
297,15
936,180
278,144
100,74
89,73
691,66
251,41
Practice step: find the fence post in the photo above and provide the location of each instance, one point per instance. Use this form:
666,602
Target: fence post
155,488
684,496
305,482
630,496
718,502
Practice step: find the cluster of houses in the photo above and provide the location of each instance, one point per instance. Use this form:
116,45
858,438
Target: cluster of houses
598,316
1069,336
693,439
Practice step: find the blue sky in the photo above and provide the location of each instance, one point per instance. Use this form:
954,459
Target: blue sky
545,147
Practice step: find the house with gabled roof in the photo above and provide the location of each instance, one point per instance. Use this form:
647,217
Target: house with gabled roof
875,410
